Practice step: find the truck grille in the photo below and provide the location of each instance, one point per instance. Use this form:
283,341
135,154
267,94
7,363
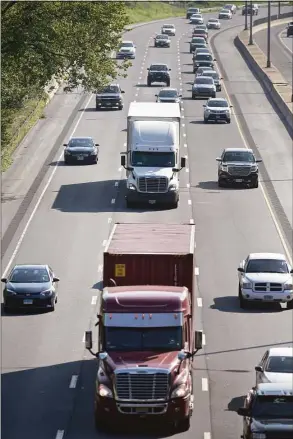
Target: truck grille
138,386
272,287
153,184
241,171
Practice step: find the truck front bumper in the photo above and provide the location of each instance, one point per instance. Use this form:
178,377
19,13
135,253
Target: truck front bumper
169,412
135,197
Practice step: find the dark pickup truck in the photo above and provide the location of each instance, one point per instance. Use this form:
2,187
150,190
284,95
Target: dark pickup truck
110,97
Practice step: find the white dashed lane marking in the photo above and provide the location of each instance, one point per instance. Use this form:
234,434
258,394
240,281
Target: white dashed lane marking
94,300
207,435
199,302
189,202
204,384
196,271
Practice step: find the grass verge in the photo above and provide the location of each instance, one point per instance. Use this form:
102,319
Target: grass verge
22,120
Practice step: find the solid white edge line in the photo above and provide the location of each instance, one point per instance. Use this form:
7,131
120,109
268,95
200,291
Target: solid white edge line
189,202
203,339
94,300
19,242
60,434
100,268
204,384
199,302
83,338
73,381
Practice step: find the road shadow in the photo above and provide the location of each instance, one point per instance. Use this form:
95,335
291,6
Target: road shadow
187,98
197,122
60,163
141,85
23,312
231,304
235,404
97,196
210,185
102,109
187,73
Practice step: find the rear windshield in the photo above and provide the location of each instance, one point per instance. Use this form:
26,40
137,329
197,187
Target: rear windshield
158,67
162,37
201,80
204,57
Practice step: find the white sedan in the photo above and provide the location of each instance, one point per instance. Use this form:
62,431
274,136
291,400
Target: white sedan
168,29
265,277
276,366
213,23
225,13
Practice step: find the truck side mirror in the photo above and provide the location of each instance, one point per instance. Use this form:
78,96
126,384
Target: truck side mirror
198,340
183,162
123,160
88,340
4,280
258,369
242,411
240,269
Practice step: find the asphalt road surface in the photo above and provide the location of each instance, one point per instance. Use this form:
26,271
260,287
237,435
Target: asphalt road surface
281,49
47,375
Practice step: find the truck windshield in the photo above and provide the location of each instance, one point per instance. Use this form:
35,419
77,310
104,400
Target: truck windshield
273,407
143,339
153,159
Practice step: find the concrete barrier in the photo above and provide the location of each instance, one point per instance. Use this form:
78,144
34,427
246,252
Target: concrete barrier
276,87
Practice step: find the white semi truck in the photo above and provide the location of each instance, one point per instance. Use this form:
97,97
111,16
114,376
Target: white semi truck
152,161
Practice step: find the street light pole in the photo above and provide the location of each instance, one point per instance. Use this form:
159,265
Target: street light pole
245,27
250,25
269,36
279,9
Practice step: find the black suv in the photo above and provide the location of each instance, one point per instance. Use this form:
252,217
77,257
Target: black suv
238,165
110,96
290,29
158,73
268,411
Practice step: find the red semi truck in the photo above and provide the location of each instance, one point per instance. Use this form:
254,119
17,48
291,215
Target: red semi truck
146,340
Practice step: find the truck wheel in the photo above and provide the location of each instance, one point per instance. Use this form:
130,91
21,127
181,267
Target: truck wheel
290,304
205,120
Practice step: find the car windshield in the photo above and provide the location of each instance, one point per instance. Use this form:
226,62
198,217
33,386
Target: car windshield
267,266
162,37
29,275
168,26
267,406
198,40
168,94
201,70
126,45
143,339
111,89
224,11
202,80
76,143
158,67
239,156
217,103
199,31
204,57
212,20
193,10
280,365
213,75
150,159
196,16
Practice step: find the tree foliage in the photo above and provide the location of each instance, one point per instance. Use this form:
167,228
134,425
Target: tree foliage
45,38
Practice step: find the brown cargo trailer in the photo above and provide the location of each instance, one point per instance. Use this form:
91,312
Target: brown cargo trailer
150,254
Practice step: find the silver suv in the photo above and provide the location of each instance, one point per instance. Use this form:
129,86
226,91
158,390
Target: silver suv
238,165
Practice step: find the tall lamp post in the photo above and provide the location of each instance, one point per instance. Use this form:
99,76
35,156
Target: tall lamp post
269,36
250,26
279,9
245,26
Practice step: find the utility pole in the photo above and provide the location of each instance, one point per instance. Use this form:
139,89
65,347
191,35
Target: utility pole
269,36
246,27
250,26
279,9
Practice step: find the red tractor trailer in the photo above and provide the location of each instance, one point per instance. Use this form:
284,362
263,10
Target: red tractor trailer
146,341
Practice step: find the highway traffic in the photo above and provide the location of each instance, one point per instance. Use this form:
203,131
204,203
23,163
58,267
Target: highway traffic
47,375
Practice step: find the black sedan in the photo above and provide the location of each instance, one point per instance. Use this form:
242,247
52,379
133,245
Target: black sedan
30,286
81,149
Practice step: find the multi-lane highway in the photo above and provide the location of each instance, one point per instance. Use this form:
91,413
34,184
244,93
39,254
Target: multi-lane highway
281,49
47,375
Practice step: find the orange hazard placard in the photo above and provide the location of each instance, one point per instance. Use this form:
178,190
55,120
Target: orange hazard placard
120,270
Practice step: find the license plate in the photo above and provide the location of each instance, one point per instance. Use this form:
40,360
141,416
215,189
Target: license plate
268,297
142,410
80,157
239,180
28,302
152,201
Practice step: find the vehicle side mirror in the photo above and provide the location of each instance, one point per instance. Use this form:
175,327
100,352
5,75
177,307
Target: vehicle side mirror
123,160
183,162
148,68
64,144
156,96
4,280
88,339
204,105
258,368
218,159
242,411
180,96
231,106
56,279
198,340
122,91
169,70
240,269
215,59
97,144
291,271
258,160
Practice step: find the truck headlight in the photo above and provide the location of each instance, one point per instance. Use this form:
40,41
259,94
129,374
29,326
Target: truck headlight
180,391
288,287
172,187
104,391
132,187
259,436
247,285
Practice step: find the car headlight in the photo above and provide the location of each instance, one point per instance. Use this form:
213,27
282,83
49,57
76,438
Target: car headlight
46,293
207,110
247,285
94,152
224,167
288,287
132,187
11,292
259,436
227,111
253,168
104,391
180,391
67,152
172,187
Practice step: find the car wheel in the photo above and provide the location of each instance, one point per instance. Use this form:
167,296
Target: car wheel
97,108
194,70
242,302
120,107
52,309
168,84
220,183
66,161
193,97
214,95
95,160
254,184
228,120
149,84
6,309
220,89
205,120
174,205
290,304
